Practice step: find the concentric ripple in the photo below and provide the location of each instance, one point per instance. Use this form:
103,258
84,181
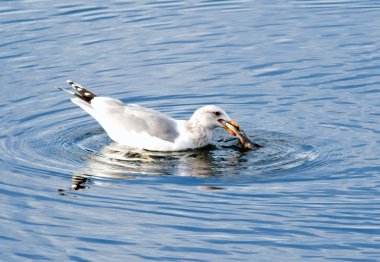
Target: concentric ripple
73,144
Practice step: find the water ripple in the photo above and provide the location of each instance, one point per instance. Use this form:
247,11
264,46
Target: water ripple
301,77
57,141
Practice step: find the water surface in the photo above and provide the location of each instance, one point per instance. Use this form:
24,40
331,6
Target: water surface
301,77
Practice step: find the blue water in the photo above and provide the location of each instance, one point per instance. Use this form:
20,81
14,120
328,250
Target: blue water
301,77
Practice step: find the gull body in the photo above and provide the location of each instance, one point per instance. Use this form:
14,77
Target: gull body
139,127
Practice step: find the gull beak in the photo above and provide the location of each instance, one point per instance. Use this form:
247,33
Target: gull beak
231,126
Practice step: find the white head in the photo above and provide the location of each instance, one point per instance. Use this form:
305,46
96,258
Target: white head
213,116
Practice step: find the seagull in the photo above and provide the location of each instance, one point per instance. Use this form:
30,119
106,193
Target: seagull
143,128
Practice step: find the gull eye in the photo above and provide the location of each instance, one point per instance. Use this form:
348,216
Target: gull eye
217,113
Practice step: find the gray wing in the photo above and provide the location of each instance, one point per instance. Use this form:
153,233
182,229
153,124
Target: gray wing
153,122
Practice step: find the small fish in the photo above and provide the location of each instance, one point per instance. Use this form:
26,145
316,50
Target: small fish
244,142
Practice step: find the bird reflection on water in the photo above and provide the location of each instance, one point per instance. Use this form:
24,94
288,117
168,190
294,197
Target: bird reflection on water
221,161
118,162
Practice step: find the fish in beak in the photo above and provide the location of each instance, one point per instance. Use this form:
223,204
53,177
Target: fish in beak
234,129
230,126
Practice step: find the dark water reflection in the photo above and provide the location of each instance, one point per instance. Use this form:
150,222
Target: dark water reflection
301,77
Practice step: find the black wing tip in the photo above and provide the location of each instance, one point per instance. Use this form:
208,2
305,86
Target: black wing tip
83,93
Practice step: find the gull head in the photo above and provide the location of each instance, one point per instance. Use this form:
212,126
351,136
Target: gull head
212,116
